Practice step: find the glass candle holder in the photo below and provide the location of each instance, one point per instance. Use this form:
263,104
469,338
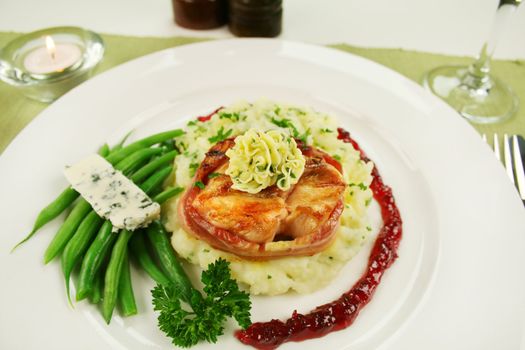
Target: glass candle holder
47,63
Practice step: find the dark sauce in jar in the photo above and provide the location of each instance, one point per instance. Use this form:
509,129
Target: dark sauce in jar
200,14
255,18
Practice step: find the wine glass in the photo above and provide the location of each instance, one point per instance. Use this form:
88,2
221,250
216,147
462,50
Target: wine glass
475,93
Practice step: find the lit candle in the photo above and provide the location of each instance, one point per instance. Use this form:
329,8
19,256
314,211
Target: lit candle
52,57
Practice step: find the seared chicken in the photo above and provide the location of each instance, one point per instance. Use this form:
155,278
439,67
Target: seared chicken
255,218
271,223
313,199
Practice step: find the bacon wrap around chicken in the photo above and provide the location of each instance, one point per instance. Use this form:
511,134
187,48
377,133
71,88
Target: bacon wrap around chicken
269,224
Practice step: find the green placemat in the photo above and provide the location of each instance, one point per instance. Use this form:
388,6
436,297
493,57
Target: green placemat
16,111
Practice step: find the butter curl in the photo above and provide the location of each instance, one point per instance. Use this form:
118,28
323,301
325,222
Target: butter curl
262,159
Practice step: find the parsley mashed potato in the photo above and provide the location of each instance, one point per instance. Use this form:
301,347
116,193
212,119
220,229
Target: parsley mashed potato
303,274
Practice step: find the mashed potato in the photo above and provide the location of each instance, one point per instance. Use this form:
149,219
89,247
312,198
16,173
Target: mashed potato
303,274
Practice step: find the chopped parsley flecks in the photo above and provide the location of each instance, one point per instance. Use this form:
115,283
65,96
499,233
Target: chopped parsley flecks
235,117
284,123
297,110
200,185
287,123
304,137
361,186
221,135
213,175
193,168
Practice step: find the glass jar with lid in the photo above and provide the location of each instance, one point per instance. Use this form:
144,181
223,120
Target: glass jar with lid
200,14
255,18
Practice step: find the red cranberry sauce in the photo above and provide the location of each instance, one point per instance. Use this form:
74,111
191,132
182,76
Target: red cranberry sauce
342,312
205,118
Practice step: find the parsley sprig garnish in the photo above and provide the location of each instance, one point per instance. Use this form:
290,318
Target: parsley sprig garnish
204,318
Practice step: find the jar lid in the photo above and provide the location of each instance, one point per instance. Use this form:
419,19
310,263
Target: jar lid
257,2
256,6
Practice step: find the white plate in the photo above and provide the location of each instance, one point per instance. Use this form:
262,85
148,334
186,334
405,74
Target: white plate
459,280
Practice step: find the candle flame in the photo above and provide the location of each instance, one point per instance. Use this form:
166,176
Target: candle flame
50,44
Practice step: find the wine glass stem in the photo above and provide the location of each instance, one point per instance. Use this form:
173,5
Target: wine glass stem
478,73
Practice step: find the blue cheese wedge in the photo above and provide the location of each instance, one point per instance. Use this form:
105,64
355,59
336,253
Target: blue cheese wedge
111,194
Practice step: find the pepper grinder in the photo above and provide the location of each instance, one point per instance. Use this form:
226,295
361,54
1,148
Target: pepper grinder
200,14
255,18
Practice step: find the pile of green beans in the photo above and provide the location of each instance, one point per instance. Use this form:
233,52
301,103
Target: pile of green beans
88,244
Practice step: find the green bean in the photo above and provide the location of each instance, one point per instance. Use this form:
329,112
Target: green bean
135,160
99,248
82,208
104,150
168,260
113,271
92,261
78,244
167,194
126,299
168,144
66,198
67,230
138,248
98,284
143,143
119,145
51,211
57,206
155,180
149,168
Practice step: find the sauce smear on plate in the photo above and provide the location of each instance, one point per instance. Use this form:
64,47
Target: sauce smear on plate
342,312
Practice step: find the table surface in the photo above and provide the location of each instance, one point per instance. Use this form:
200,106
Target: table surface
440,26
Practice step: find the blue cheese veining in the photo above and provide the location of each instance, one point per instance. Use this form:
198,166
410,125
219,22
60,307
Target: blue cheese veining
111,194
